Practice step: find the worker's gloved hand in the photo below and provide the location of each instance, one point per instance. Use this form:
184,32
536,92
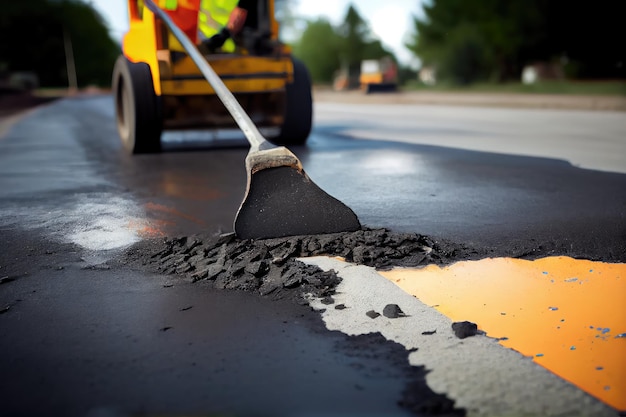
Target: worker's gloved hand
217,40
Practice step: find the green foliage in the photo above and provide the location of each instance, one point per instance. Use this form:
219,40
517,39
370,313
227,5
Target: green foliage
326,49
466,58
494,39
33,40
319,49
406,75
354,34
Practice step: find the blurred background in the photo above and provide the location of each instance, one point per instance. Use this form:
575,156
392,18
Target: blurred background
544,46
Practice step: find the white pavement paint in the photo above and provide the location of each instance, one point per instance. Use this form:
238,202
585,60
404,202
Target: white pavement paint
482,376
587,139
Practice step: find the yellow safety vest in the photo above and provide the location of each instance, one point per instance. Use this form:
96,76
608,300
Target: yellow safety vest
168,4
213,16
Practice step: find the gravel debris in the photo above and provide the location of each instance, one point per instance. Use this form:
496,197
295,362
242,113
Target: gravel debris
463,329
372,314
327,300
392,311
6,280
269,266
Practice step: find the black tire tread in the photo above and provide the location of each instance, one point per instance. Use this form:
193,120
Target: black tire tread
298,108
146,125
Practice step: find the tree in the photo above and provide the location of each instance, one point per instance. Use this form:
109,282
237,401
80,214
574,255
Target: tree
355,34
94,50
466,58
590,37
33,40
471,41
319,49
325,49
375,50
494,39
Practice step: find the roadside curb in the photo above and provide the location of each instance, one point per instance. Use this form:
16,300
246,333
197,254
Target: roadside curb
528,101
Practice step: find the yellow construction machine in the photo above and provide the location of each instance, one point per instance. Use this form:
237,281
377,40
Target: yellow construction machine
158,87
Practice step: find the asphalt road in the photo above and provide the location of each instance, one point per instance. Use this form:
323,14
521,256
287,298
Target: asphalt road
508,179
498,199
84,334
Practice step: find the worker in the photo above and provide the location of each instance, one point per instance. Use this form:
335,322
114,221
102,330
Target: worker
242,14
184,13
212,24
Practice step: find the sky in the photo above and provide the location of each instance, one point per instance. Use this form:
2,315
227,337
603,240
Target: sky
390,20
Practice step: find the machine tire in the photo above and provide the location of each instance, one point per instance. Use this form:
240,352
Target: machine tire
137,107
298,108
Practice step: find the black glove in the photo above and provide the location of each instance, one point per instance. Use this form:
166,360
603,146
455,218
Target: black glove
217,40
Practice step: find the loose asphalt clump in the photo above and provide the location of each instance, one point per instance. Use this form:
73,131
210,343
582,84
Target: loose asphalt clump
372,314
463,329
393,311
269,266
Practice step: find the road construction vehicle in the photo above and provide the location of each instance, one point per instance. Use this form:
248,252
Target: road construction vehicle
158,87
379,75
165,81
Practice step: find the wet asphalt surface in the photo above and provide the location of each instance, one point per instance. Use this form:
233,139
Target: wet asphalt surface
83,333
514,205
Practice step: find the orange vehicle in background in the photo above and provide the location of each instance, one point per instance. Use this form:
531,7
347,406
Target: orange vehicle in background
157,86
379,75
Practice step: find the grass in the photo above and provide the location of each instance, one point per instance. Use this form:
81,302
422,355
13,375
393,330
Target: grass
603,88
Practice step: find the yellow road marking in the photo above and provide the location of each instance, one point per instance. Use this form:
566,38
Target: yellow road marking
568,314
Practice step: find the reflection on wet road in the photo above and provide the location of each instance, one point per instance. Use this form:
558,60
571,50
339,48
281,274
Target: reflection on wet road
479,198
475,197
